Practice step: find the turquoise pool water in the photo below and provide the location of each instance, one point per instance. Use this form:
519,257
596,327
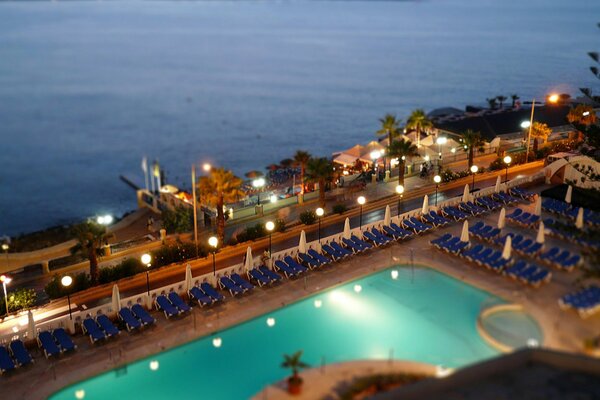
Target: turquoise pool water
513,328
422,315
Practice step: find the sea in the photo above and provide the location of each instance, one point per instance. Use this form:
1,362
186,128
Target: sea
88,88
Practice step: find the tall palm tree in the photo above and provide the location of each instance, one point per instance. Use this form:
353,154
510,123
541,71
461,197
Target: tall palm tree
219,188
419,122
493,103
301,159
402,149
539,131
320,170
390,127
501,99
582,115
472,140
514,97
90,237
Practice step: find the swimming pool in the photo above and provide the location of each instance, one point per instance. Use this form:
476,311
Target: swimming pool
411,313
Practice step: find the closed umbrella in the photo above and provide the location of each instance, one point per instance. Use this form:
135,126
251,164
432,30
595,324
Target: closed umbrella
538,206
188,277
465,196
464,235
347,228
540,235
425,208
116,298
249,261
302,244
498,184
501,218
30,325
569,194
387,218
579,219
507,248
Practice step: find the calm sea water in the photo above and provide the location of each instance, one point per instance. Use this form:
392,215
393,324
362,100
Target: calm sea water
88,88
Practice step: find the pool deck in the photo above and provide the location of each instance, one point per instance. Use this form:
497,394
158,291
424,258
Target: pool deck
563,330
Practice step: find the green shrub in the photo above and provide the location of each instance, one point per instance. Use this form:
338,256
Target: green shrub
252,233
175,253
308,217
339,208
179,220
128,267
279,225
18,300
54,289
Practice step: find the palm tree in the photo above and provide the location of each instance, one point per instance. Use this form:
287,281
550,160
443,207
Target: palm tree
472,140
286,162
538,131
514,97
582,115
390,127
90,237
419,122
402,149
320,170
501,99
301,159
294,363
219,188
492,103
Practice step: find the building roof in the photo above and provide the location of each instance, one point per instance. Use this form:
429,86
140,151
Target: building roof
444,112
499,123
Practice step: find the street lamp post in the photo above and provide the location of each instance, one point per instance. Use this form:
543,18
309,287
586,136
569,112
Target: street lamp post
5,248
5,281
437,179
270,226
375,154
474,169
529,124
66,282
507,160
146,260
320,212
258,184
214,242
400,191
442,140
361,201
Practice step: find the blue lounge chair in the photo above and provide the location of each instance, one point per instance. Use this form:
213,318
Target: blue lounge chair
201,297
286,269
405,233
445,237
375,239
20,353
64,340
440,219
227,283
458,247
238,280
90,327
342,250
107,325
532,250
48,344
319,257
454,213
392,232
542,275
6,362
143,315
258,277
275,277
294,264
178,302
163,304
331,252
382,235
130,321
550,254
472,252
361,242
211,292
515,269
308,261
516,191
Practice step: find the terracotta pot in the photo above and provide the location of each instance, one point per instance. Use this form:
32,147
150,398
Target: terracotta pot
294,386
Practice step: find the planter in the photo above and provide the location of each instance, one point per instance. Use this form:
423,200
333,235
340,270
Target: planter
294,386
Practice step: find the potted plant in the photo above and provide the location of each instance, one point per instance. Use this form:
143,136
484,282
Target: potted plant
294,363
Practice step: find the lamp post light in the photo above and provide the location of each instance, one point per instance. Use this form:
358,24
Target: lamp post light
146,260
507,160
361,201
5,281
66,282
437,179
474,169
214,242
5,248
258,184
442,140
528,124
270,226
375,155
320,212
400,191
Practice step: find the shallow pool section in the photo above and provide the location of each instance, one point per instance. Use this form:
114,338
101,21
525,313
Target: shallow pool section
406,313
513,329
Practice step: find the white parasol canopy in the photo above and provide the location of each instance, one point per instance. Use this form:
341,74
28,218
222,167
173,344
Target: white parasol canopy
498,184
569,194
387,219
425,208
540,235
116,298
538,206
249,261
188,277
502,218
302,243
579,219
30,325
466,196
507,248
464,235
347,228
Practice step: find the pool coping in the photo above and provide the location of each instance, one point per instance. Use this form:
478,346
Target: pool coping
497,344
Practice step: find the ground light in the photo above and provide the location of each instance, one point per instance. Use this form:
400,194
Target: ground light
361,201
320,212
507,160
214,242
217,342
437,179
474,169
146,260
270,322
357,288
154,365
80,394
318,303
270,226
66,282
258,184
400,191
394,274
5,281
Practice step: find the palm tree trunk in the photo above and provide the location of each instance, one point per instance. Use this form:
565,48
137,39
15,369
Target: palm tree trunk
93,264
220,219
322,192
301,196
401,172
470,156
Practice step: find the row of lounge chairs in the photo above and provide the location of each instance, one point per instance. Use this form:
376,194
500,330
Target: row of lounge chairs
484,232
554,228
531,274
99,328
488,202
171,305
56,342
562,259
14,356
135,317
523,218
522,193
264,276
235,284
569,211
525,246
471,208
505,198
586,301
